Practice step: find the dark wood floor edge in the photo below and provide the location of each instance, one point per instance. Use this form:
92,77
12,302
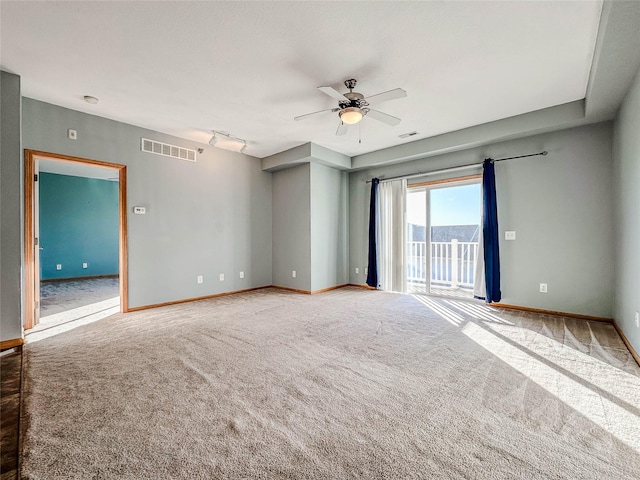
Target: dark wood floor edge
21,423
552,312
88,277
195,299
13,343
626,341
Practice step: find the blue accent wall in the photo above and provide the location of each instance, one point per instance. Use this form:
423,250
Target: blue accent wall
78,224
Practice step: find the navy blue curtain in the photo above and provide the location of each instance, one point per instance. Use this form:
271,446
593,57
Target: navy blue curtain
490,232
372,276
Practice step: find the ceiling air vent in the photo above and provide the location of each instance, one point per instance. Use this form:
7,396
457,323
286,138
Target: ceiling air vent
407,135
173,151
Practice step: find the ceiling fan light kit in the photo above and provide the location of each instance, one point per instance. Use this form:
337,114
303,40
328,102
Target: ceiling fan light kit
353,106
227,142
351,115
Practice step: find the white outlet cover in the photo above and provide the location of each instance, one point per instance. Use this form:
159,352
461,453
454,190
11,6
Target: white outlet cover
199,279
293,274
366,270
139,210
84,265
543,288
637,319
357,270
222,277
72,134
58,266
510,235
241,274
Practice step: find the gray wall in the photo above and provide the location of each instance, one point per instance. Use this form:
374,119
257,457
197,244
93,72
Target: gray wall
329,227
560,206
203,218
10,216
626,158
292,227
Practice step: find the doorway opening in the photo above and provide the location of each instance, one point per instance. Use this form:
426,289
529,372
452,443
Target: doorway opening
75,242
443,231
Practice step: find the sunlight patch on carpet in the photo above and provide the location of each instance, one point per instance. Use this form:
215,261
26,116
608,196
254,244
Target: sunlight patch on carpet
68,320
590,402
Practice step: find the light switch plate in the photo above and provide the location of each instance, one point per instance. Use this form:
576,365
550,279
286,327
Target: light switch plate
72,134
139,210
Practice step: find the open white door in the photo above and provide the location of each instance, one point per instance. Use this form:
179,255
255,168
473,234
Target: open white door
36,242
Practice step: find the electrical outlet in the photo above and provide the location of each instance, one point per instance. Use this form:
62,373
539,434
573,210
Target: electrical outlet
293,273
543,288
72,134
199,279
222,277
241,274
59,266
85,265
357,270
637,320
510,235
366,270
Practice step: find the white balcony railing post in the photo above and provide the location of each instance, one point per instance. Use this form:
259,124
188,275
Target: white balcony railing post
454,263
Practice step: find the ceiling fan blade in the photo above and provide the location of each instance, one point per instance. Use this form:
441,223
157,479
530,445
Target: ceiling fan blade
307,115
332,92
383,117
386,96
342,128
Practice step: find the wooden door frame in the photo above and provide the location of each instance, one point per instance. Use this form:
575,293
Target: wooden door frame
29,258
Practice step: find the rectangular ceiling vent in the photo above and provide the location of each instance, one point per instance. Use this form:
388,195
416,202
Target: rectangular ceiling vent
173,151
407,135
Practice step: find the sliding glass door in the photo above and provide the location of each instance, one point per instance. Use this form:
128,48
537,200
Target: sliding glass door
443,229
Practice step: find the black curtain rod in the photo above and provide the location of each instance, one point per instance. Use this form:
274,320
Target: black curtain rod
520,156
459,167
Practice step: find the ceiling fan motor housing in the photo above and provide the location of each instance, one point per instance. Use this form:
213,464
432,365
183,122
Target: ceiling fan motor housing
355,100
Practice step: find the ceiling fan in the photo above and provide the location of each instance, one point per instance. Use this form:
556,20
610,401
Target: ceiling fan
353,106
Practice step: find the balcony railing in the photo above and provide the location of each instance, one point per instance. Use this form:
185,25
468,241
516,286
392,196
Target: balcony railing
453,264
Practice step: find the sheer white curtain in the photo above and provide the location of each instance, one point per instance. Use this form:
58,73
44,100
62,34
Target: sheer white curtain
392,197
479,283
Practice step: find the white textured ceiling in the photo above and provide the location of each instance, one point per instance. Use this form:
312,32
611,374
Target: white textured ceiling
248,68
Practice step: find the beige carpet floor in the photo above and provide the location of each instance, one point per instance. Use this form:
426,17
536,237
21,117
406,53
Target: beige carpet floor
346,384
